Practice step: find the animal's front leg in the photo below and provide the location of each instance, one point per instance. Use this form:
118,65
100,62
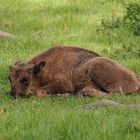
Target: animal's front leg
47,90
48,93
90,91
51,89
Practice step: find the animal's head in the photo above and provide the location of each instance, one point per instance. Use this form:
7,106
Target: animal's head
22,76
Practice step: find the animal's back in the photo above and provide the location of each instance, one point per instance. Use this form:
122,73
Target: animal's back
68,56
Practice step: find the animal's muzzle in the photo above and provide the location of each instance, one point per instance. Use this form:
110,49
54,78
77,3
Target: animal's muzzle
14,93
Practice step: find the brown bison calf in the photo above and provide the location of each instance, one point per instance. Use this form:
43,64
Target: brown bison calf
71,70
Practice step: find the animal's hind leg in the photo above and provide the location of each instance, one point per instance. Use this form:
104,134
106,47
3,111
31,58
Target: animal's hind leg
138,90
113,77
90,91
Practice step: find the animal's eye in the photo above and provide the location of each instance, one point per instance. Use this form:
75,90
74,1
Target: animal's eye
25,81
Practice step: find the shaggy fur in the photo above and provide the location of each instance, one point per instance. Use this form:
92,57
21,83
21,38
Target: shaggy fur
66,69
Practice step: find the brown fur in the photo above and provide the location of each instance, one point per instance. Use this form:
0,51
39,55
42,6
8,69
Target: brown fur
71,70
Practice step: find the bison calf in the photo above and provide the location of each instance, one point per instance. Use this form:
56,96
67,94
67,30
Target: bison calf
71,70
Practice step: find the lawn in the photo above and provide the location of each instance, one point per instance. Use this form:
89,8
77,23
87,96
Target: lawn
41,24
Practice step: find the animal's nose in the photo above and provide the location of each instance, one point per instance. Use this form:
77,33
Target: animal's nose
13,93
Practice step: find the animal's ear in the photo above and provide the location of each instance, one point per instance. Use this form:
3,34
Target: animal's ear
38,67
10,67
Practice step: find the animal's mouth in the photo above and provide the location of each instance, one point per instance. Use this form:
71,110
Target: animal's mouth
22,95
18,96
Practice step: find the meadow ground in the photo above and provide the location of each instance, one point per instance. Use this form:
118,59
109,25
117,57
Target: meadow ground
40,24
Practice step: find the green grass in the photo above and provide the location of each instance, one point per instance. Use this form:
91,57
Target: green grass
40,24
